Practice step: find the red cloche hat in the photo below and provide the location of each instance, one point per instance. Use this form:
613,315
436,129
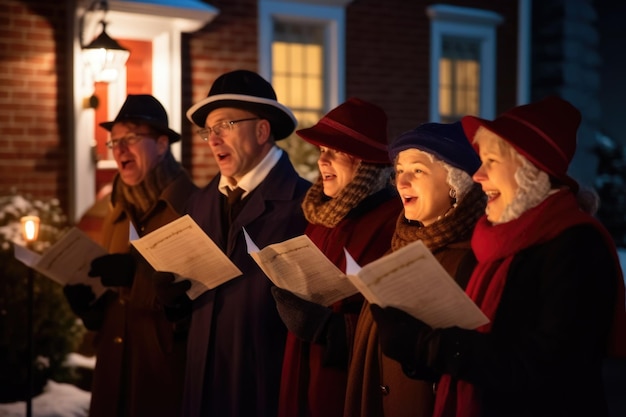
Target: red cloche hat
355,127
544,132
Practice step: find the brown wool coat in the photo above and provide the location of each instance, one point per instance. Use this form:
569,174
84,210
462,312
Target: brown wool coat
140,354
377,386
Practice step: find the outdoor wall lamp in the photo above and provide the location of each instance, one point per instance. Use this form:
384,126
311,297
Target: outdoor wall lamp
30,232
104,55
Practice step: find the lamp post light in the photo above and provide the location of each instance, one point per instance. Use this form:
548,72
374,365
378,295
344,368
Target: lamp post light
30,231
30,228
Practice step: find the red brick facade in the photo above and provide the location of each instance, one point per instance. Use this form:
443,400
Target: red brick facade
387,62
33,80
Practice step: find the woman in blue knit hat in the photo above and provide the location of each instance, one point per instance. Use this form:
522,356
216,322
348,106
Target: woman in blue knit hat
433,168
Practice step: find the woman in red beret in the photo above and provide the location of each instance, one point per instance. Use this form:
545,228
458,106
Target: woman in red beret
352,205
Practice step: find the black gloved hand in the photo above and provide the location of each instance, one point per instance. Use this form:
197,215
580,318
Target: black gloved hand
305,319
84,304
114,270
79,297
172,295
403,337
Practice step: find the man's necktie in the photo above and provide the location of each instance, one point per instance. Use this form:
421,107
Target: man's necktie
234,197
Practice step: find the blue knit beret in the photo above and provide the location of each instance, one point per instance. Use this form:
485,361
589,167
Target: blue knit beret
446,141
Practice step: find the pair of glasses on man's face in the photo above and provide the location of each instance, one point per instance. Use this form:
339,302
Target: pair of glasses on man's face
127,140
221,129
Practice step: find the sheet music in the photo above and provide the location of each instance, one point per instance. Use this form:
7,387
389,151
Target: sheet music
67,261
412,280
299,266
183,248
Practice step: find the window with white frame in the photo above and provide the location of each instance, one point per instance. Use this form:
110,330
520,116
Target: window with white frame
298,74
459,79
301,53
463,62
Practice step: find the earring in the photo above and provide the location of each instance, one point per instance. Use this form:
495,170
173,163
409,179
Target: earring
452,194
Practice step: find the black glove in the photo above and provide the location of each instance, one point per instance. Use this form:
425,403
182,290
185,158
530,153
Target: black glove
114,270
83,303
79,297
172,295
305,319
406,339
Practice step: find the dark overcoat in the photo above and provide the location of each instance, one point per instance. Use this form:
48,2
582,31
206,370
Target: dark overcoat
237,339
543,356
310,386
140,355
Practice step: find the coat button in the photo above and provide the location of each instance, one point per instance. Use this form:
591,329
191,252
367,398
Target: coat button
118,340
384,389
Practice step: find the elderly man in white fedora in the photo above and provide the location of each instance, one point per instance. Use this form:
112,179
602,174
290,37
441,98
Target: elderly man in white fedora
236,339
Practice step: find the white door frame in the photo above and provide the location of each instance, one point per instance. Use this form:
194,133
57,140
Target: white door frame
160,24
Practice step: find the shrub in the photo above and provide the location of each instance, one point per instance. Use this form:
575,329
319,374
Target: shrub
610,183
56,331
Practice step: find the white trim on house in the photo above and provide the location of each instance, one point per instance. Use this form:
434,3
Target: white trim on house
524,50
470,23
162,23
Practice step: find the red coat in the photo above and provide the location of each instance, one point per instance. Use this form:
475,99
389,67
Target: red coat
308,388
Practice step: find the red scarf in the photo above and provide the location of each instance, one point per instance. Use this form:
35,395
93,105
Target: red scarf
494,249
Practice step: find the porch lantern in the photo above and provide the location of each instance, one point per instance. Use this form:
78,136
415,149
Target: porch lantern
104,55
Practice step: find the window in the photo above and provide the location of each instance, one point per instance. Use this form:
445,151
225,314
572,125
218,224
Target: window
463,57
298,74
301,54
459,79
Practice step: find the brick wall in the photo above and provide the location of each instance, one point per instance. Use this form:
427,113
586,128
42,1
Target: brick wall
387,59
33,136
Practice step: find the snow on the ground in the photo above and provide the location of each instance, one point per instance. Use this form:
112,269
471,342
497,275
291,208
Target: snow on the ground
57,400
75,360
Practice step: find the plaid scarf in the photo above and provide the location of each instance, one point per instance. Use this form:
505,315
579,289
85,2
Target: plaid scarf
323,210
456,226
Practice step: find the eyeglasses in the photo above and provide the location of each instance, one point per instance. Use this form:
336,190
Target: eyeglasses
221,129
129,139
